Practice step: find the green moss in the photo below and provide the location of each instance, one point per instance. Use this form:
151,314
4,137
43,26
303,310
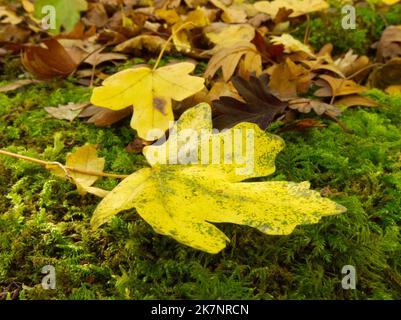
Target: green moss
327,28
43,220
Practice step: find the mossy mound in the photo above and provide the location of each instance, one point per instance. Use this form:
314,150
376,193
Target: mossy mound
43,219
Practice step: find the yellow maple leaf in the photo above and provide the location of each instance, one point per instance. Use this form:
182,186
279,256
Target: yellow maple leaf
180,26
390,2
84,159
184,199
299,7
150,93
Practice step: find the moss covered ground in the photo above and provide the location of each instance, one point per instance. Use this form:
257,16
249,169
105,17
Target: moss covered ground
44,220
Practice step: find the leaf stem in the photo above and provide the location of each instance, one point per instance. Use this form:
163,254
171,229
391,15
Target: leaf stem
64,168
184,25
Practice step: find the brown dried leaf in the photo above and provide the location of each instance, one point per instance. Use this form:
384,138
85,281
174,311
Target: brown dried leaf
351,63
356,100
102,117
338,87
66,112
151,43
228,58
50,62
304,105
287,79
260,106
389,45
17,84
386,75
303,124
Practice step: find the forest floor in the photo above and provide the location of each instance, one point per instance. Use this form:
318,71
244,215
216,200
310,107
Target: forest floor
44,220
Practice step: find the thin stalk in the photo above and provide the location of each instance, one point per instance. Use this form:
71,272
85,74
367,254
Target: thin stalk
168,41
63,167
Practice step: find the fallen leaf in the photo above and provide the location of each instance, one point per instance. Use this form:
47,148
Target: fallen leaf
103,117
226,36
228,58
180,30
304,105
321,64
287,79
66,112
137,145
351,63
390,2
338,87
267,50
291,44
96,15
8,16
84,158
17,84
303,125
28,6
260,106
150,93
50,62
13,34
231,14
299,7
386,75
67,12
151,43
183,201
356,100
389,45
98,57
394,89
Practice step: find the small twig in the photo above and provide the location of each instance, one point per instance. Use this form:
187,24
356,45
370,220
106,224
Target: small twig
66,169
307,30
340,123
363,69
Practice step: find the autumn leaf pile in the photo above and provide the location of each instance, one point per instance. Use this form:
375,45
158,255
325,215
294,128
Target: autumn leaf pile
221,64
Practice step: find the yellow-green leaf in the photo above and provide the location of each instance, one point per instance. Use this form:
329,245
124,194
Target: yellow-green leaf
184,200
150,93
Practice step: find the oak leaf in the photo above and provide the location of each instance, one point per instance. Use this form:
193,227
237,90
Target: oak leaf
184,200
